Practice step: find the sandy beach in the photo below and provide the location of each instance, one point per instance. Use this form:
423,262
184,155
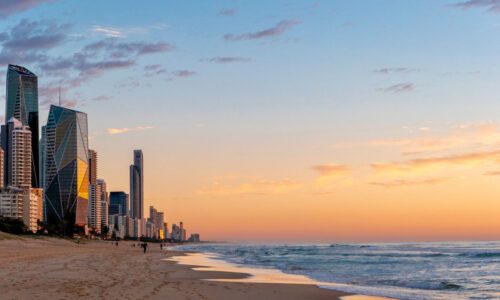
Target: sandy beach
51,268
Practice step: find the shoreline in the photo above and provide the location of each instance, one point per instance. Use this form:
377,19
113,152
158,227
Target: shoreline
55,268
207,262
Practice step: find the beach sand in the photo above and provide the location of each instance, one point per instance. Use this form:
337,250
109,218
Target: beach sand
51,268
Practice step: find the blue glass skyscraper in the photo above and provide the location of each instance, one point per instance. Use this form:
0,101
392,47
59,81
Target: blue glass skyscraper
22,103
66,170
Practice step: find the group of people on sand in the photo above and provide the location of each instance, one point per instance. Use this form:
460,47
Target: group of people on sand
143,245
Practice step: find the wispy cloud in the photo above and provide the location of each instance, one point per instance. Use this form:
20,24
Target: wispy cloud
461,137
257,187
184,73
114,131
412,165
399,70
228,12
108,31
492,173
102,98
228,59
274,31
327,173
155,69
398,88
10,7
490,5
328,170
404,182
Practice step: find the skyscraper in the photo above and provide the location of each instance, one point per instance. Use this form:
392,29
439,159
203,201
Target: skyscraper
137,186
22,103
118,203
95,194
104,202
16,141
2,161
66,169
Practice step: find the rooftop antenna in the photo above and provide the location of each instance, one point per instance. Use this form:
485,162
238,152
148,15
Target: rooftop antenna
59,95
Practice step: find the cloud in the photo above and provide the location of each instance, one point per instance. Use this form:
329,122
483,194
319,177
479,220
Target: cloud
114,131
328,173
492,173
155,69
404,182
412,165
119,49
274,31
29,41
228,12
461,137
398,88
394,70
490,5
10,7
102,98
331,169
228,59
257,187
184,73
108,31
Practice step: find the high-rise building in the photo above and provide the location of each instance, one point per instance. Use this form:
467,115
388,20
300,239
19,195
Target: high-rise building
118,203
182,232
137,186
12,202
21,155
2,162
66,170
22,204
16,142
104,202
153,215
22,103
95,207
31,208
95,194
41,152
92,167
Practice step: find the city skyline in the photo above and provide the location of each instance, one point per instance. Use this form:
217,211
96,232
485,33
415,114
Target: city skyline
273,122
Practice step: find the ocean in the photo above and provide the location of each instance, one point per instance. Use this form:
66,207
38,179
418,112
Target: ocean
466,270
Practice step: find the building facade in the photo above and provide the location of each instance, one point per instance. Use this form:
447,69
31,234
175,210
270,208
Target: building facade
104,202
66,170
22,103
118,203
95,195
20,159
137,186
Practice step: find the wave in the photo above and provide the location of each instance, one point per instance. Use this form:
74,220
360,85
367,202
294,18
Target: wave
481,255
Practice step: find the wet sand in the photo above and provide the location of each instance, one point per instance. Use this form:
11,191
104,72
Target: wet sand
51,268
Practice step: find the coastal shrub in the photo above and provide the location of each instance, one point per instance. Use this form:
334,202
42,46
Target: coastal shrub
13,226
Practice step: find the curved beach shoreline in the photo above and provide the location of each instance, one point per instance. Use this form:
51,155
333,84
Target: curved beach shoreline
44,268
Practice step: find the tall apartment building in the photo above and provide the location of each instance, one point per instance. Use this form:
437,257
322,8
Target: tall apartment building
21,102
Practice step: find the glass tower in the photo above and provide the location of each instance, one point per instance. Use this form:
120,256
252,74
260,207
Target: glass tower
137,186
66,170
22,103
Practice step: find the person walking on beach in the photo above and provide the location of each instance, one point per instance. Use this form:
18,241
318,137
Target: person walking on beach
161,246
145,246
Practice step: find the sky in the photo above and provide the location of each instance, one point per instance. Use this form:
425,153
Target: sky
283,121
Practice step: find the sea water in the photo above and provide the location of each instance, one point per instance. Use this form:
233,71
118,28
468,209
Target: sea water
468,270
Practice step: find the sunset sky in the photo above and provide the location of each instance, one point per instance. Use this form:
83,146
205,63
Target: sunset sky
293,121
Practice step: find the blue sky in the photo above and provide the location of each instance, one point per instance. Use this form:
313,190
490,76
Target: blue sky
255,89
